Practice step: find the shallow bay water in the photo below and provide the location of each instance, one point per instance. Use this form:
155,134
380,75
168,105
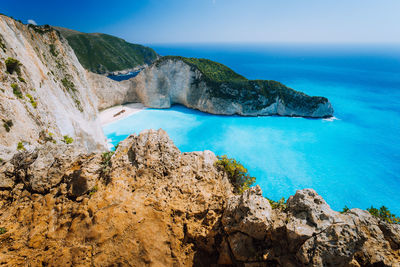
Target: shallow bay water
352,160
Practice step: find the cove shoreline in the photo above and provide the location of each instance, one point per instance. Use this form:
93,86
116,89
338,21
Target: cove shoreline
119,112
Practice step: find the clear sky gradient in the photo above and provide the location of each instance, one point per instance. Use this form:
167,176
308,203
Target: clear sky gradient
214,21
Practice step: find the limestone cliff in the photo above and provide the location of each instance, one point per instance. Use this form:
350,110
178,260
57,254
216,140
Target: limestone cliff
214,88
151,205
46,94
108,92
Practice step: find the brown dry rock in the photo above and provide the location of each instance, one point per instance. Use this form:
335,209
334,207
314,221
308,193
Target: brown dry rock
249,213
7,179
147,214
152,205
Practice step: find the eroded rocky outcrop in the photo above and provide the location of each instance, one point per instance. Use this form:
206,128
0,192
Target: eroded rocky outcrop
172,80
47,95
307,233
151,205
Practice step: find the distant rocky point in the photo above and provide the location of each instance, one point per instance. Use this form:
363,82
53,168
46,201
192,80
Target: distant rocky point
214,88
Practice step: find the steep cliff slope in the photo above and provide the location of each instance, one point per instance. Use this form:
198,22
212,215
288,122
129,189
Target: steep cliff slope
44,92
151,205
214,88
103,53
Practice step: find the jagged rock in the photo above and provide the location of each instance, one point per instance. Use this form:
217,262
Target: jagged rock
143,216
307,233
7,178
83,175
49,165
308,214
249,213
242,247
161,207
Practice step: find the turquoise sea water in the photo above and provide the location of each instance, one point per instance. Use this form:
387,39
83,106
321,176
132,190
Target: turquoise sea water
353,160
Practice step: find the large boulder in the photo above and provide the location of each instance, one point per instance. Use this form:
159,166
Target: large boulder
308,214
249,213
7,177
44,167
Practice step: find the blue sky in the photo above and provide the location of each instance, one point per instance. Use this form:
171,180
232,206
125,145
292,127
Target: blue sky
214,21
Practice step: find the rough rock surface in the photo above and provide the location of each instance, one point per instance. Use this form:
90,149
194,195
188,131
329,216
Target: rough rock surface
108,92
54,93
152,205
307,233
173,81
160,207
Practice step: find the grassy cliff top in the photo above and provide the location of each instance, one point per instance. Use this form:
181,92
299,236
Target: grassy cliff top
219,77
102,53
212,70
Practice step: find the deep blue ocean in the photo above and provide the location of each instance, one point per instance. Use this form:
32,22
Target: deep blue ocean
353,160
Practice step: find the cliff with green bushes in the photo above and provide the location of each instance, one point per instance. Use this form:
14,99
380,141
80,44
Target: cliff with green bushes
214,88
103,53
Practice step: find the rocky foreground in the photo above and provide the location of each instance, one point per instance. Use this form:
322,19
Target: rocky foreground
151,205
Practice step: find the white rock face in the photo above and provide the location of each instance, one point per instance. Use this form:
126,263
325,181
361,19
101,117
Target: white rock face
172,81
54,96
108,92
52,76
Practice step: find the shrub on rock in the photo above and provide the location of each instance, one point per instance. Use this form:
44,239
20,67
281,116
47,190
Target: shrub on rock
236,172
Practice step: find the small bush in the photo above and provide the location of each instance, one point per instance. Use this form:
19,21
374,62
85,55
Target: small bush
116,147
384,213
20,146
17,92
78,104
32,100
67,139
93,190
53,50
7,124
345,209
68,85
237,174
46,136
21,79
12,65
281,204
106,165
3,230
2,44
1,160
40,29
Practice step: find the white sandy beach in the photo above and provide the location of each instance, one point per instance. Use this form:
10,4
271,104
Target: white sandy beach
119,112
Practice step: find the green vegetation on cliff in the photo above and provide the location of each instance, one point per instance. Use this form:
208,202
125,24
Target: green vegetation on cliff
12,65
384,213
7,124
212,70
224,83
102,53
236,172
67,139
